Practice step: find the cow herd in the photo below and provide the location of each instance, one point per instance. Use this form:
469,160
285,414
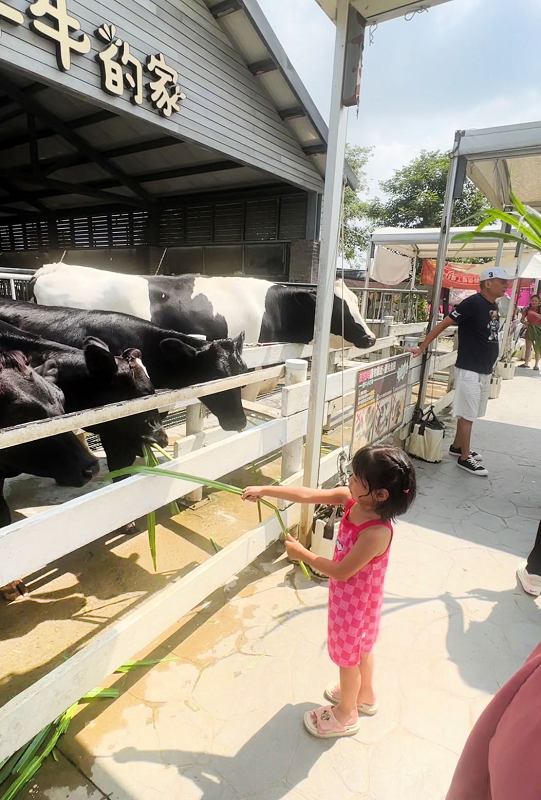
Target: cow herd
93,337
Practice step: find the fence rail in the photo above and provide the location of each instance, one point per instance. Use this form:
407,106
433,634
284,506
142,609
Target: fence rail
35,542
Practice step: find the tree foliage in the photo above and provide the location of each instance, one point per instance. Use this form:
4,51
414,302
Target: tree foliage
354,212
415,194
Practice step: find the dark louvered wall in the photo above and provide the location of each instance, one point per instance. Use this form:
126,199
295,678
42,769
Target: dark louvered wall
272,219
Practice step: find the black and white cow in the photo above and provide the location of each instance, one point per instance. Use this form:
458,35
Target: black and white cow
26,396
173,360
93,377
217,307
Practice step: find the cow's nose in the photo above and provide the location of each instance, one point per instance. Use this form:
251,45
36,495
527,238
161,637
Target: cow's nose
371,341
90,471
158,436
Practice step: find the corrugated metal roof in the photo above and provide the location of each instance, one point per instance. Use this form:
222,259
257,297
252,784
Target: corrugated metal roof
248,28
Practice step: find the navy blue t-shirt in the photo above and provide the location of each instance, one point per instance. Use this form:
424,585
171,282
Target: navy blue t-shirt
478,325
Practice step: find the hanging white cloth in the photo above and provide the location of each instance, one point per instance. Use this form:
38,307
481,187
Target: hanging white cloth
390,268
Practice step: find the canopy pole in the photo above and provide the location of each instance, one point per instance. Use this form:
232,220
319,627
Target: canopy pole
330,228
443,243
369,257
513,298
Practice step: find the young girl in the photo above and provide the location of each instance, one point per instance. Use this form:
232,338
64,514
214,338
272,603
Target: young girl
533,333
381,487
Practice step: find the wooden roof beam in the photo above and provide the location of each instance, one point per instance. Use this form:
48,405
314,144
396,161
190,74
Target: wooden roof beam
225,7
315,149
50,165
295,112
65,130
44,133
175,172
262,67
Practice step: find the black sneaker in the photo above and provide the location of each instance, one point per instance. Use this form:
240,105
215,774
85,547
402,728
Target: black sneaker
455,451
473,467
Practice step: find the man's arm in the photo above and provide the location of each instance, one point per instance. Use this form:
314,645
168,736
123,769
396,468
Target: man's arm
434,333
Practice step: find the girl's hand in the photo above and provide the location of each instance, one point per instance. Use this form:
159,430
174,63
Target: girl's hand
253,493
295,550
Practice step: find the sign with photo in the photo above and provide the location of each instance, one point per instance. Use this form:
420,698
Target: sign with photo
380,401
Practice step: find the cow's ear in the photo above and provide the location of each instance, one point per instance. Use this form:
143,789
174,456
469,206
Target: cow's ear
100,361
239,342
49,370
173,349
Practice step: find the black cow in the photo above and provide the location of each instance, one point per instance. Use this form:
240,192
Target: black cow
93,377
172,359
26,396
213,306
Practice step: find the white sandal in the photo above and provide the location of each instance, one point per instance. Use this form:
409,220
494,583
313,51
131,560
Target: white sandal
332,694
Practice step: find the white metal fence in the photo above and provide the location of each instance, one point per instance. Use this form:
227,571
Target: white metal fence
35,542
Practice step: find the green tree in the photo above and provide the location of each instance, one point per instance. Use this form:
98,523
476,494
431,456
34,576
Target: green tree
415,193
355,233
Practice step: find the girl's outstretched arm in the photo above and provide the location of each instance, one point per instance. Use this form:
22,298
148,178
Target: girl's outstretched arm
299,494
372,543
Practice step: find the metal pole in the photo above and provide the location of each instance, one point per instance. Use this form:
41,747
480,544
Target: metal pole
511,312
327,266
440,263
364,299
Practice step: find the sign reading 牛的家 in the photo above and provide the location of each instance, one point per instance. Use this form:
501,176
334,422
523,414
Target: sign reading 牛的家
121,71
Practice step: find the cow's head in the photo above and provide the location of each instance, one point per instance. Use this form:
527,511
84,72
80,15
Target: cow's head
210,361
26,396
105,378
355,329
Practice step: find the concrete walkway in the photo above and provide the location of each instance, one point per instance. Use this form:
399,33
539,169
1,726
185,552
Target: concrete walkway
223,722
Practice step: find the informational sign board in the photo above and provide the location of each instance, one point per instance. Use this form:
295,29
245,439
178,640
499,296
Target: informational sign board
380,401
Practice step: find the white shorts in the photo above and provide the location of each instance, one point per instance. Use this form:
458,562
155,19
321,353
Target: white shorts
471,394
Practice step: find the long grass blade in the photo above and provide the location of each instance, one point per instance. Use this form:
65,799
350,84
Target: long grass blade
100,694
129,666
173,507
151,526
8,766
224,487
30,750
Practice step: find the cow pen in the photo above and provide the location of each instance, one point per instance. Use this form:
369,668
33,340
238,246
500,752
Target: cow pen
35,542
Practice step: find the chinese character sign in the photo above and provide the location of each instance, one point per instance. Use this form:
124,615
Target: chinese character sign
59,27
121,71
165,92
10,14
113,60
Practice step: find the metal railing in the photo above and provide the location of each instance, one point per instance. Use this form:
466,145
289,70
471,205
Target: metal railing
404,305
15,283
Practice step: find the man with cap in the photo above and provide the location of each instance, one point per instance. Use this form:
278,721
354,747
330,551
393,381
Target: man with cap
478,323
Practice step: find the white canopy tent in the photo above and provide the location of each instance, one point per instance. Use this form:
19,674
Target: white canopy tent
423,243
347,62
498,161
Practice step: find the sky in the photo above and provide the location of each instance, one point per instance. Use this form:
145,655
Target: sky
463,64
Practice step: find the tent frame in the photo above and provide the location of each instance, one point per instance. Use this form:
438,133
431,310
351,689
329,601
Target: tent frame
470,149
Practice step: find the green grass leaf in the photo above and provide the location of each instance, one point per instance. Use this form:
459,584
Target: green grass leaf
151,526
129,666
100,694
219,485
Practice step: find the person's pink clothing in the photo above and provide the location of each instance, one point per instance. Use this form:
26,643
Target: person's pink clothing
501,759
355,604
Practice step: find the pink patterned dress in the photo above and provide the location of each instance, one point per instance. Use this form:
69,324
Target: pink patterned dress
355,604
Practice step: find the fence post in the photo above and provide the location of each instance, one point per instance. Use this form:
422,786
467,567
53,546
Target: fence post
194,424
296,372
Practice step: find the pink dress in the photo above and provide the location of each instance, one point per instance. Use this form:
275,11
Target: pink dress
355,604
